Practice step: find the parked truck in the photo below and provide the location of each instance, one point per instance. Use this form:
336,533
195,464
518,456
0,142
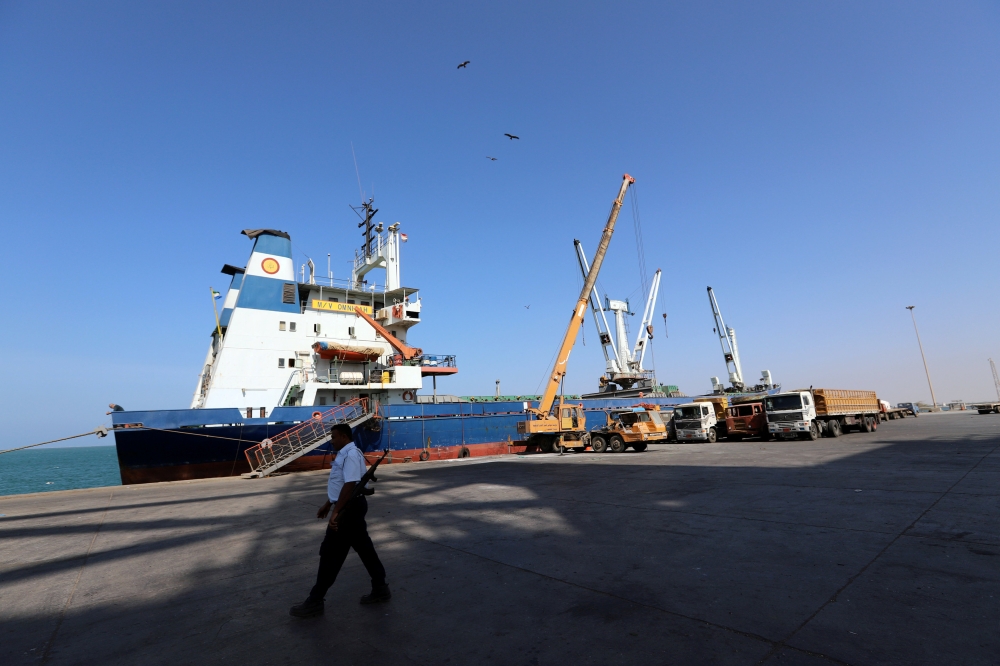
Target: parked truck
810,414
703,420
746,418
634,427
987,407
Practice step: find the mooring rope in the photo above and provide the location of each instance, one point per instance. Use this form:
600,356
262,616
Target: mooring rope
100,432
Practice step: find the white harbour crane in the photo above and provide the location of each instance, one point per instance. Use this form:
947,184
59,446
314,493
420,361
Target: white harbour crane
996,379
730,351
623,364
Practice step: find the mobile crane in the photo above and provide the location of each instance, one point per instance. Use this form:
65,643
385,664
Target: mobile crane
565,426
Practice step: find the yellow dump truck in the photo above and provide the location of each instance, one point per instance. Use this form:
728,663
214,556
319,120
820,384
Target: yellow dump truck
632,427
812,413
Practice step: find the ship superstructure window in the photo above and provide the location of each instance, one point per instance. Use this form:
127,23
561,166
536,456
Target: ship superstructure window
288,293
350,331
281,325
291,363
281,362
291,326
351,301
316,329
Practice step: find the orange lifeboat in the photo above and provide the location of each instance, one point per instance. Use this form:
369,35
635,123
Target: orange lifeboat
352,353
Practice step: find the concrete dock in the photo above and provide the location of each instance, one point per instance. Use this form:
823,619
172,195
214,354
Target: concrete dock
879,548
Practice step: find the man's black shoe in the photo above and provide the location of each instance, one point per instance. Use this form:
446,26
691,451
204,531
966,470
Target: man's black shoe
308,608
378,594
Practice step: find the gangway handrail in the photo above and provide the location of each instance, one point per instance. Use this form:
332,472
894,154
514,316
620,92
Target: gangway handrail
298,440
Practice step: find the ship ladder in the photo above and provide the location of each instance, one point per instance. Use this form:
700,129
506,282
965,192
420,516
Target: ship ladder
273,454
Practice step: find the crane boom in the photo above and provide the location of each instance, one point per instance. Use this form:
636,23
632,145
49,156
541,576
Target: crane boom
607,340
646,327
996,379
727,339
559,369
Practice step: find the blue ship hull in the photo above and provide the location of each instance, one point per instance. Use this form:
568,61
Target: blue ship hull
171,445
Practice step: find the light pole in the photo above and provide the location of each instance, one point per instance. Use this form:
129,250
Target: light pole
919,344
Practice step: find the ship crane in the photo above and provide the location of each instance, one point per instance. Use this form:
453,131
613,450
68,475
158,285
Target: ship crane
566,426
623,367
730,352
996,379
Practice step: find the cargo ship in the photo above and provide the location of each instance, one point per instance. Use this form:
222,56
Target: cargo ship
285,350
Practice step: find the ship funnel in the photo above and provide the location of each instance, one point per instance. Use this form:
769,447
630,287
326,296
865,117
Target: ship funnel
269,282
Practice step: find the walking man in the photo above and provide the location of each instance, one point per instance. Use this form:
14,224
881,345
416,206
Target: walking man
346,528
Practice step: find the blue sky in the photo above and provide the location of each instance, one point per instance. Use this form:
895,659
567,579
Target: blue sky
821,165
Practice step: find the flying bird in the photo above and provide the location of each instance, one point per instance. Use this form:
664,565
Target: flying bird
463,64
512,137
491,158
527,307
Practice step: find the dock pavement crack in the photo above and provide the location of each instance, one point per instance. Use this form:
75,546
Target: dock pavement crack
691,618
47,652
783,643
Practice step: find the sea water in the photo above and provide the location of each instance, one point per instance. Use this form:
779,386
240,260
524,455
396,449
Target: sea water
39,470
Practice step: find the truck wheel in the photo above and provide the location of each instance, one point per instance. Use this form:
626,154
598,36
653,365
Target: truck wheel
639,446
712,436
616,444
813,432
833,428
874,423
866,424
545,444
598,444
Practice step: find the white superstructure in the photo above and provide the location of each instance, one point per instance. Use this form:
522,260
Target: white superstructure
285,342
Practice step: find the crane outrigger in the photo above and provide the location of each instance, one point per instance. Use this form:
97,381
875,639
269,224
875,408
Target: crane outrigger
566,425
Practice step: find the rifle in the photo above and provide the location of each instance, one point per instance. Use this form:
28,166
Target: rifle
361,487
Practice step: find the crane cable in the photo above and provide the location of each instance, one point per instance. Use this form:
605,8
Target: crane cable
641,255
100,431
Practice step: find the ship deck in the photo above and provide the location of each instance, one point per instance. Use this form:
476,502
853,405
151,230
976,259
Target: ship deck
871,548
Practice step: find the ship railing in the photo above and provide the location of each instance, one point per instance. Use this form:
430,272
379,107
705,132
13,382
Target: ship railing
427,360
273,453
341,284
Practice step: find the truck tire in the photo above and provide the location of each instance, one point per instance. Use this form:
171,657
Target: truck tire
833,428
813,433
866,424
874,424
545,444
616,444
599,444
640,446
712,436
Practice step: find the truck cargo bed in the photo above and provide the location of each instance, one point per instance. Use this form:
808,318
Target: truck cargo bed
835,402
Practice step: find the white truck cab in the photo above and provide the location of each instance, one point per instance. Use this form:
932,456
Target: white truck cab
790,414
696,422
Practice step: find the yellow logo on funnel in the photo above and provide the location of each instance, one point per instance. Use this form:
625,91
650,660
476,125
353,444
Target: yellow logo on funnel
270,266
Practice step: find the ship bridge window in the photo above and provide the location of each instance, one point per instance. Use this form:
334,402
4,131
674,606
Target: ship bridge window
291,326
291,363
281,325
412,315
281,362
